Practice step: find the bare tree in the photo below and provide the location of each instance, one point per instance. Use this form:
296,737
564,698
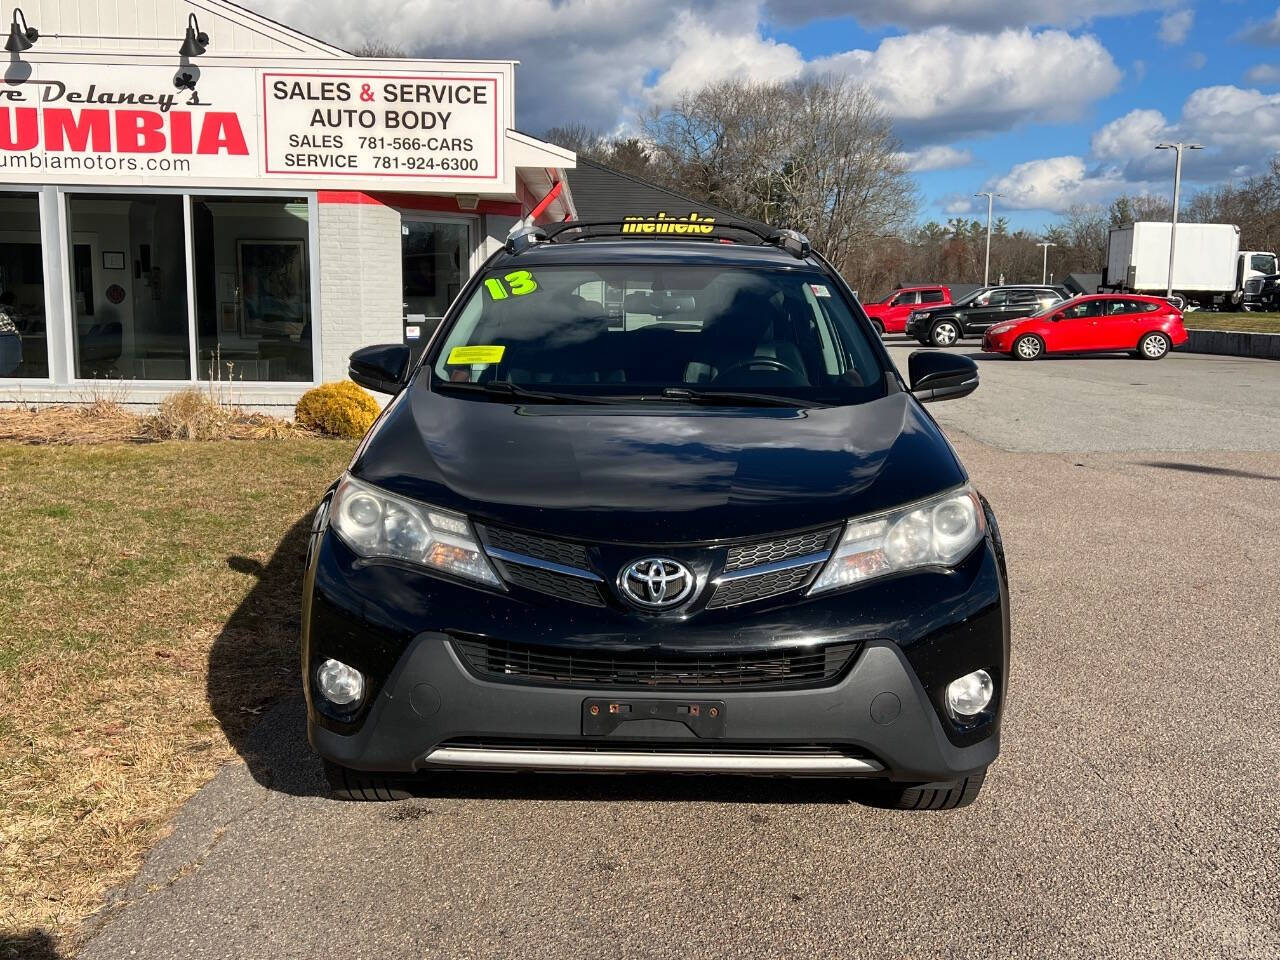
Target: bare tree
818,155
379,50
626,154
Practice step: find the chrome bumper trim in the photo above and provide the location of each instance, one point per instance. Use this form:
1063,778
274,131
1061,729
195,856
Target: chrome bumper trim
621,761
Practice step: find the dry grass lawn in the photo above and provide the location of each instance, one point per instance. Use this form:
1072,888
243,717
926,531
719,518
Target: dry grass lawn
125,567
1246,322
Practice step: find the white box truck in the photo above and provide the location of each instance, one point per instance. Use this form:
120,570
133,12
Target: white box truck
1209,269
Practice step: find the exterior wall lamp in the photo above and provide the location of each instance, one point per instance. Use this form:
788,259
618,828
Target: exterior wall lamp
20,37
196,41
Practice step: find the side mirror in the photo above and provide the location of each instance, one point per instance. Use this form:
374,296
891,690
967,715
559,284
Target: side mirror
382,368
935,375
1057,316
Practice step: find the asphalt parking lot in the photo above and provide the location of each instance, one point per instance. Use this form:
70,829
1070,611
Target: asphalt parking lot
1134,812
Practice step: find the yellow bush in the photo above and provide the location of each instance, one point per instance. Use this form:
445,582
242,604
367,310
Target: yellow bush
341,409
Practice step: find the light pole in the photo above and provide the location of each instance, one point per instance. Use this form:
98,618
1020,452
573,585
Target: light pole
1177,190
1044,270
986,273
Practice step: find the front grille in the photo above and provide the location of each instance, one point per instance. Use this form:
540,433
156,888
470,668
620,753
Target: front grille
771,551
746,589
557,666
542,548
553,584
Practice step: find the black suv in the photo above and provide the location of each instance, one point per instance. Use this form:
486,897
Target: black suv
657,504
971,315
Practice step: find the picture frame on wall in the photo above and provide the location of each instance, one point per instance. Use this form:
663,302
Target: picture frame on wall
113,260
274,287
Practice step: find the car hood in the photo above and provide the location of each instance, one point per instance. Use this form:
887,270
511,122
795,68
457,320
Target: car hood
656,474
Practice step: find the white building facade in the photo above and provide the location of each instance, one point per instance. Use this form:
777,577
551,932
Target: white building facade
190,191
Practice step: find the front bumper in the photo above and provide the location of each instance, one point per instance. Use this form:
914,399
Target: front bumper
432,710
883,717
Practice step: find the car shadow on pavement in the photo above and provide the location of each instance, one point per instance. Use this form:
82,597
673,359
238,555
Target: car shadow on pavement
253,685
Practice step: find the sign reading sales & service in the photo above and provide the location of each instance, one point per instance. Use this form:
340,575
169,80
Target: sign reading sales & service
427,129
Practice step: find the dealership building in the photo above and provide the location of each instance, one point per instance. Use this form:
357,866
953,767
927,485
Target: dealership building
190,191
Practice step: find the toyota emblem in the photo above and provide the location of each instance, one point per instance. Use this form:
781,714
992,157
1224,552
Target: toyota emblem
657,583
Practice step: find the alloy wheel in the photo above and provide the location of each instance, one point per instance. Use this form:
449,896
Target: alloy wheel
1154,346
1028,348
945,334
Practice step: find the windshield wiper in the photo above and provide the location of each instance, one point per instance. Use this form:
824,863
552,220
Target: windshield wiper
728,399
506,390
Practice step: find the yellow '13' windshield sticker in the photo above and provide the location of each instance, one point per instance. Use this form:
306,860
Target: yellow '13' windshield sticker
515,284
480,353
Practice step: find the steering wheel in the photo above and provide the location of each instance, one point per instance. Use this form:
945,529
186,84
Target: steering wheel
769,362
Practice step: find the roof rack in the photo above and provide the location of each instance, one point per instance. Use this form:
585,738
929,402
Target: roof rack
523,236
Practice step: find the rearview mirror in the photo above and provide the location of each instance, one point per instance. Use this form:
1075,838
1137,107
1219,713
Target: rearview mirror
382,368
935,375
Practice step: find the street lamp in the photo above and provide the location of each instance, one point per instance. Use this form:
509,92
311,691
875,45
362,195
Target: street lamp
1044,270
1177,190
986,273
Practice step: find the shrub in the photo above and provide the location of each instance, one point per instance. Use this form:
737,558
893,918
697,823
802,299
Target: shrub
195,414
190,414
341,409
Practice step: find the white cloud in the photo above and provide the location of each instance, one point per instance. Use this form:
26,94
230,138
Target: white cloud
1263,75
597,62
707,54
1175,26
1239,128
1054,184
986,15
938,157
1265,33
942,82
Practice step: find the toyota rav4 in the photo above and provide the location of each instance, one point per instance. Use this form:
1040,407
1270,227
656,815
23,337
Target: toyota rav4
657,504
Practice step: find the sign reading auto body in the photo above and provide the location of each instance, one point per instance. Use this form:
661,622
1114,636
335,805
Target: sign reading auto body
428,129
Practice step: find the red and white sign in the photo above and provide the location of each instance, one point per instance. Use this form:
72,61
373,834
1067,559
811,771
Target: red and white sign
427,129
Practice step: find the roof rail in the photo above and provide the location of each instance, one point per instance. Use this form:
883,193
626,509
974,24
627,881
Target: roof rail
797,244
670,227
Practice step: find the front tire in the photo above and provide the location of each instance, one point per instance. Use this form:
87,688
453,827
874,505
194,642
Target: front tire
1027,347
947,795
348,784
944,333
1154,346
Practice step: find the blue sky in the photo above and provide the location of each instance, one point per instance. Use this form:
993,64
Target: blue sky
1051,102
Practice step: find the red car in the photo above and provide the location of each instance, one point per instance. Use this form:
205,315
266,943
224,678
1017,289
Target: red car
1103,323
890,314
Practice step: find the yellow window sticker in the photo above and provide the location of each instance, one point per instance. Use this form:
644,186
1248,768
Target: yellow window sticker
478,354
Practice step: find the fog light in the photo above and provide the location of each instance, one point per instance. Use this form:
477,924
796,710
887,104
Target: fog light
339,683
969,695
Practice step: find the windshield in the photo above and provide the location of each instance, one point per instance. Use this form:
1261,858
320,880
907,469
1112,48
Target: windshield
645,328
968,298
1263,263
1056,305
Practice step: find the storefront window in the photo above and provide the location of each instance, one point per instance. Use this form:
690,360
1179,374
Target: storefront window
129,286
253,288
435,257
23,346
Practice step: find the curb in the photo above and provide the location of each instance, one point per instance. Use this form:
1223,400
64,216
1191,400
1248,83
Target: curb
1234,343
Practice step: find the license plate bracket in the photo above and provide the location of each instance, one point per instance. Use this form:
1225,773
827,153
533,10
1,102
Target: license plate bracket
601,717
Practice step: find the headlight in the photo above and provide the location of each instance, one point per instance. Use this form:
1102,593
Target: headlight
375,523
934,533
